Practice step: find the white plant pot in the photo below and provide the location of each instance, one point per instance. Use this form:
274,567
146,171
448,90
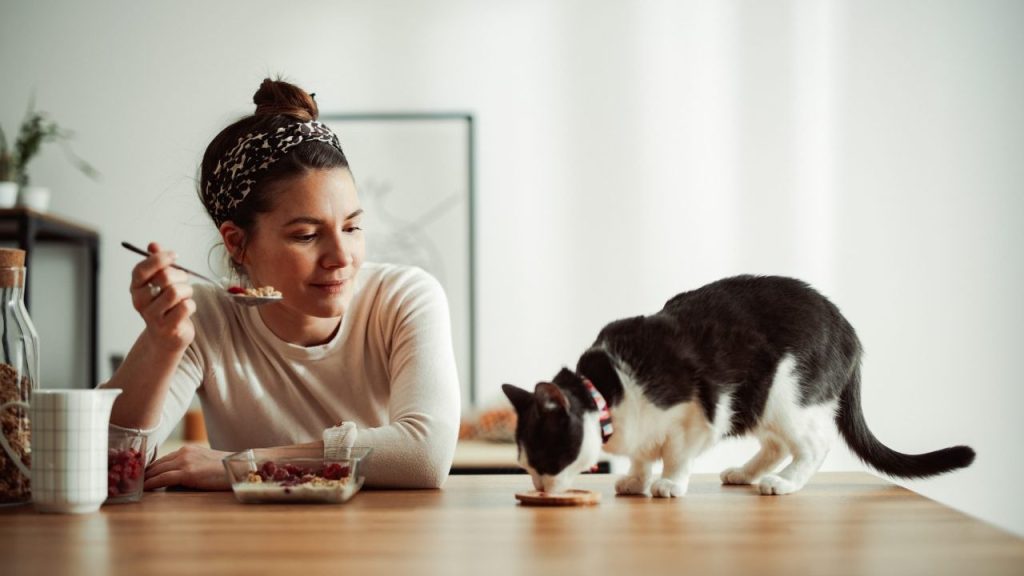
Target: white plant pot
35,197
8,194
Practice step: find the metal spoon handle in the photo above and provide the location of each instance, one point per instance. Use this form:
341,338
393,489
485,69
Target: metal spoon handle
138,250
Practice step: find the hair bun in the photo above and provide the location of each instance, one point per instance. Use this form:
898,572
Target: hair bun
277,97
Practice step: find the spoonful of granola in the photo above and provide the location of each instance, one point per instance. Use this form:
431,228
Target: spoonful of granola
244,296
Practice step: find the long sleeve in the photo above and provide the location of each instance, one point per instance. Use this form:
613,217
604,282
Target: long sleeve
416,448
186,379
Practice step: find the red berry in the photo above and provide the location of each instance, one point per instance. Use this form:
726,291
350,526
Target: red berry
236,290
124,471
335,471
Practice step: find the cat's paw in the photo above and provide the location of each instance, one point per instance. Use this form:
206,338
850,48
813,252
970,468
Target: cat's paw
776,485
630,485
736,476
665,488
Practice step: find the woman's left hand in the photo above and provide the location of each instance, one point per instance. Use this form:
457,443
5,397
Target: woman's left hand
190,466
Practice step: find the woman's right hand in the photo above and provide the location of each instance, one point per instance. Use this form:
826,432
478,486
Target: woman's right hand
163,297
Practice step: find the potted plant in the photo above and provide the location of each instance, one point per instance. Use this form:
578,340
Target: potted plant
36,129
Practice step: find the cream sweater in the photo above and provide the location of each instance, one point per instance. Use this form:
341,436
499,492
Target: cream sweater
389,369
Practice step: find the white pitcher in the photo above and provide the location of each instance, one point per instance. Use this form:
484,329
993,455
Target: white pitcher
69,448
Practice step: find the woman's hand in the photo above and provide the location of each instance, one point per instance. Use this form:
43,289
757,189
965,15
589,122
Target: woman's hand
190,466
163,297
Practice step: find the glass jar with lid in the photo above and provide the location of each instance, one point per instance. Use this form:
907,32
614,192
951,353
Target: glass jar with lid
19,376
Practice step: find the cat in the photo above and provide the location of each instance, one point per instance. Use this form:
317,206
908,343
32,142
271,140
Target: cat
766,356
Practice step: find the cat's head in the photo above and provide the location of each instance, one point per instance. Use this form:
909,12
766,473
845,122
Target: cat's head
557,432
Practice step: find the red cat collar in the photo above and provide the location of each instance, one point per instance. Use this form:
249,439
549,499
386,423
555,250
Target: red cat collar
603,413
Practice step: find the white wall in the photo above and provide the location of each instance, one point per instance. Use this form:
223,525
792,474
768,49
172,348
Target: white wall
627,151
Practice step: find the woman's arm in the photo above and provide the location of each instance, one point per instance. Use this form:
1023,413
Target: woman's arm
163,297
415,450
144,378
198,467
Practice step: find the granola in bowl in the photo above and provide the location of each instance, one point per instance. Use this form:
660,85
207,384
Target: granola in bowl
268,476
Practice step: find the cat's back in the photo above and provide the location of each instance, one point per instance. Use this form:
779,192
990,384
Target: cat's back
763,316
740,303
755,301
740,317
737,293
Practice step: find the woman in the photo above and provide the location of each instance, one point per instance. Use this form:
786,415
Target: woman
354,354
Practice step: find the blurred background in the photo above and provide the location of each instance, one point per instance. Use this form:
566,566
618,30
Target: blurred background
625,151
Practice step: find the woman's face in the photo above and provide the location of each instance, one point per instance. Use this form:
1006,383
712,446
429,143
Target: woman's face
310,246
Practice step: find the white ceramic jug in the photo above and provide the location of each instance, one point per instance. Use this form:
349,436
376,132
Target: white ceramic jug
69,448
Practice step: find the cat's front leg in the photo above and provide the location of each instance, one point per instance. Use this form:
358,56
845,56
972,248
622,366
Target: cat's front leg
638,479
676,456
672,484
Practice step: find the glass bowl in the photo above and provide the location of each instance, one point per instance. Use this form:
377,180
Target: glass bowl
126,466
263,475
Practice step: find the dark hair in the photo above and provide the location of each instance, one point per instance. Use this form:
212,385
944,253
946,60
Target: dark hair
278,104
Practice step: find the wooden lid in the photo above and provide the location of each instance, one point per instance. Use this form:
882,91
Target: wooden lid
12,258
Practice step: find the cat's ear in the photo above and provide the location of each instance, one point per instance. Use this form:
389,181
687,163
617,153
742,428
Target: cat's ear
550,398
520,399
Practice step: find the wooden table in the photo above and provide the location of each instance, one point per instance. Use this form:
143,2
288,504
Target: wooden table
843,523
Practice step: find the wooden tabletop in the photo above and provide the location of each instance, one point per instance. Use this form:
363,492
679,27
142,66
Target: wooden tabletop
842,523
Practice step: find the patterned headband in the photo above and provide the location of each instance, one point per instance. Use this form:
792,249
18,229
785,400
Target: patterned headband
235,173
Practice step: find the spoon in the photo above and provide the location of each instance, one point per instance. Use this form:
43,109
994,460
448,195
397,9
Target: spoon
242,299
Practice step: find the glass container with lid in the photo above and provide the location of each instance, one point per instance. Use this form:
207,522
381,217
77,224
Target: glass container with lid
19,376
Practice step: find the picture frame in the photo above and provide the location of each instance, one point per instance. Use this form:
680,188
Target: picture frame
415,173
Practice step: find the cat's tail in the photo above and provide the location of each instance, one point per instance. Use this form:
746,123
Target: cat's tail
859,438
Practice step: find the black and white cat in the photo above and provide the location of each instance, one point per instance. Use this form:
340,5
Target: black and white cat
762,356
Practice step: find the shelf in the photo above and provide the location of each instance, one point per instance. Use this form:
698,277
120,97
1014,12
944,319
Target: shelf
29,228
